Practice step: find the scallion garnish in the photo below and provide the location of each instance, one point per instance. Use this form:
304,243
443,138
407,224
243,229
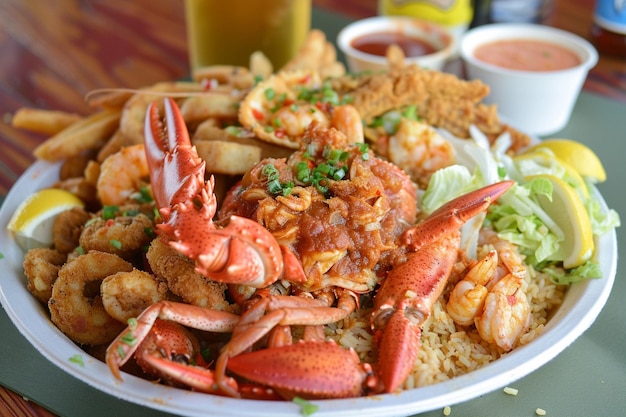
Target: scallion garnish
77,359
307,408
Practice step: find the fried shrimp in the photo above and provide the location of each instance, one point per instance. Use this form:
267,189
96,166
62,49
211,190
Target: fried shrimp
122,174
126,294
76,304
126,235
41,267
183,280
67,229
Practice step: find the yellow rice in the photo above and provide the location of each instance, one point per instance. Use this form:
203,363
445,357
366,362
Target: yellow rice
449,350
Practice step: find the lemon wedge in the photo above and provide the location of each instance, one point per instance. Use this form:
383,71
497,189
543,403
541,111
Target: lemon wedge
567,210
33,221
577,155
545,162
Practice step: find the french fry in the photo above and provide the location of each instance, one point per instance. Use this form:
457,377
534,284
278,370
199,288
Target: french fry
228,158
48,122
209,105
86,134
115,99
210,130
134,111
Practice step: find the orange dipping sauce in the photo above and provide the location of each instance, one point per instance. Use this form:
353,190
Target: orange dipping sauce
527,55
377,44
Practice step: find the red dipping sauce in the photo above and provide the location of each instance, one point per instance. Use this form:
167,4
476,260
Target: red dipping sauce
377,44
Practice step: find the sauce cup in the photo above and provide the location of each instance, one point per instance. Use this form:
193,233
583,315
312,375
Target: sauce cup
437,36
537,102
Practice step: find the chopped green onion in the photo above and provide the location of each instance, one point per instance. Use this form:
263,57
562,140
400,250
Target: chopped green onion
132,323
307,408
270,93
129,339
116,243
77,359
109,212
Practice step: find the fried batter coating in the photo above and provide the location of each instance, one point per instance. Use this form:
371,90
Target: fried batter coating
67,229
41,267
76,304
125,235
183,280
443,100
126,294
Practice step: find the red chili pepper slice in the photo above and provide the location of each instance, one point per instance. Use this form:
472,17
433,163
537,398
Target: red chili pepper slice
258,115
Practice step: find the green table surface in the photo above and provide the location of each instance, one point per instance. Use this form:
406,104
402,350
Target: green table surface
587,379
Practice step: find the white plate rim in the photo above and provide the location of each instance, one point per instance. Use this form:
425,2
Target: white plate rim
572,319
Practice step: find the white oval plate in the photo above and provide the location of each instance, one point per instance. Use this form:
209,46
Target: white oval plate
580,308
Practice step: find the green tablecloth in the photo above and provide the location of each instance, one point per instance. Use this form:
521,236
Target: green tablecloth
587,379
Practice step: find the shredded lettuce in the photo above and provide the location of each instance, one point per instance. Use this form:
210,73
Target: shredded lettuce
518,216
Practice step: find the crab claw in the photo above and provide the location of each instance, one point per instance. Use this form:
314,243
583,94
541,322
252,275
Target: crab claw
242,252
310,370
453,215
406,298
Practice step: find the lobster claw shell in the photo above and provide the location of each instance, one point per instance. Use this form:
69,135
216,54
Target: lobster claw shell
310,370
242,252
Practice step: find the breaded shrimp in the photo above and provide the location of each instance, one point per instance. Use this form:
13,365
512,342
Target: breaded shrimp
67,229
41,267
126,235
126,294
183,280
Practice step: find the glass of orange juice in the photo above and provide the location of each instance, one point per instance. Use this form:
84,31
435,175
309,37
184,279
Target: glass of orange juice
224,32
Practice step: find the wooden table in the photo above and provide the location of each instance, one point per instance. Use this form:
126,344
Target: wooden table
53,53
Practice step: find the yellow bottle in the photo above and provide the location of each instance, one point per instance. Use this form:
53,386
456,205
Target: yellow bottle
456,15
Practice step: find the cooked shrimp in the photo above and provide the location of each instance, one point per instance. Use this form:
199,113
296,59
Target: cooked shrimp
182,279
347,119
122,174
293,120
76,305
492,295
467,298
418,149
126,294
41,267
506,314
510,260
67,228
126,235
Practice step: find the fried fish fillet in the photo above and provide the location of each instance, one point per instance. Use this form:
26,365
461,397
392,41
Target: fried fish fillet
442,99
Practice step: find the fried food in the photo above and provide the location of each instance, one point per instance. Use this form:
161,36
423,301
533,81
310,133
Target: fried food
182,279
210,104
228,157
316,55
132,117
126,294
86,134
125,235
76,304
442,100
67,229
41,267
48,122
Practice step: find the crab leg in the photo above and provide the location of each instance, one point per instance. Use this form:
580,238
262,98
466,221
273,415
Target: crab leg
242,252
405,300
128,342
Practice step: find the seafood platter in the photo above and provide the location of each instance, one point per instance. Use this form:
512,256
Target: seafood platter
302,241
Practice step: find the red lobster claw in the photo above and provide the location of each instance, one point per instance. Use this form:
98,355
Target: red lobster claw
243,252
